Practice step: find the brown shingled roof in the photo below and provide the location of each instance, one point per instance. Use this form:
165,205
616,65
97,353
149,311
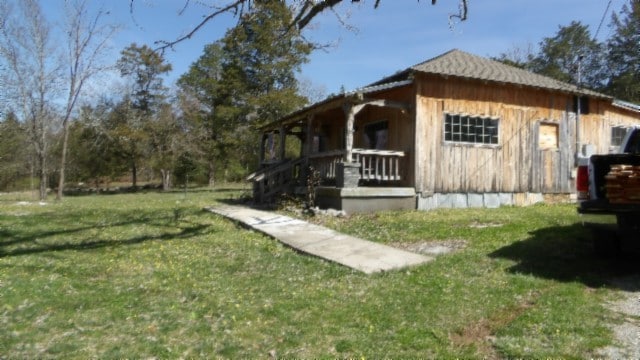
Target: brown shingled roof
462,64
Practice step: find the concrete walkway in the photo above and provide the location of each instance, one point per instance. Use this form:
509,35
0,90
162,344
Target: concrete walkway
358,254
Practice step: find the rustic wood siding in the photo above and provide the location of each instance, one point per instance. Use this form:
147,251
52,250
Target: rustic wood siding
596,130
527,159
517,164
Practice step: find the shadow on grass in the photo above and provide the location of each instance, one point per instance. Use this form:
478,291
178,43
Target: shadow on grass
566,254
150,189
16,243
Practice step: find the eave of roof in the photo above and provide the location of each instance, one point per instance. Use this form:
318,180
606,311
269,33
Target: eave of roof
336,101
626,105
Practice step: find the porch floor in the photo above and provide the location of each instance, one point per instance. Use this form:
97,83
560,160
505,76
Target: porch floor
358,254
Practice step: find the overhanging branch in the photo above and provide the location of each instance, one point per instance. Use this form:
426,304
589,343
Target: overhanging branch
307,11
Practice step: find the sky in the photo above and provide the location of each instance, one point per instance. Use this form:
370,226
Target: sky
364,44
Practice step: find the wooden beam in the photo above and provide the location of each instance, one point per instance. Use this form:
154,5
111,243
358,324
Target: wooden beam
262,148
350,111
386,103
283,138
308,138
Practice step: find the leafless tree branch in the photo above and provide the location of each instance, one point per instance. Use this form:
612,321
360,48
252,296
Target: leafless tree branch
306,12
236,7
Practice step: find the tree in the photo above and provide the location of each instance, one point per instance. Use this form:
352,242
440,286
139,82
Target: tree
244,80
624,53
87,40
14,155
126,128
303,12
94,154
144,67
31,76
569,54
165,139
520,57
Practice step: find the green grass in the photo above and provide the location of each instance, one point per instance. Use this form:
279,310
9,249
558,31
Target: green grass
153,275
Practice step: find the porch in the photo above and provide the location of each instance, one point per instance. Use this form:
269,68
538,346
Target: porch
372,174
350,151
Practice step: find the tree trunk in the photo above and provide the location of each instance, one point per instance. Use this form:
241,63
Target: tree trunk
211,173
134,176
42,172
166,179
63,159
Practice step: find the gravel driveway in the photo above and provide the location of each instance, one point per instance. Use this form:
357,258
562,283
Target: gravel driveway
627,333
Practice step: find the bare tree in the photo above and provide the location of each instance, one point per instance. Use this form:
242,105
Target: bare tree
87,39
304,11
32,71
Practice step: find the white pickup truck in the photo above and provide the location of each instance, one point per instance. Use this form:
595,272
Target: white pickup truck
608,188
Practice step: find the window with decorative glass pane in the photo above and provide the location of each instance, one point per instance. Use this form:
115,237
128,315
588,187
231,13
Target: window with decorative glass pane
471,129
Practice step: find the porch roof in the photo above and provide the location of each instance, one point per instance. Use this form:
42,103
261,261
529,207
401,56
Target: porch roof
336,101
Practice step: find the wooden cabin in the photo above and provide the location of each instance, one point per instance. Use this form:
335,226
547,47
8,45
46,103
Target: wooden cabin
457,130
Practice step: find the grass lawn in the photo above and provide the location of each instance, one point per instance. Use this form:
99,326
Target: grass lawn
153,275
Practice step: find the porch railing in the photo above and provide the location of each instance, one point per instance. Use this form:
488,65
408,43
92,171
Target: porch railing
325,163
275,179
379,165
375,165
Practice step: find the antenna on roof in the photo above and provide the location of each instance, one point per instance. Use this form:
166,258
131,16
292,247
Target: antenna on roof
602,20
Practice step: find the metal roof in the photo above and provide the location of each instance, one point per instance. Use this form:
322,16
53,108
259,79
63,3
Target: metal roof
337,98
626,105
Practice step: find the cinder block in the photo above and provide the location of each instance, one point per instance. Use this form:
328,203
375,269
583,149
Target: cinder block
492,200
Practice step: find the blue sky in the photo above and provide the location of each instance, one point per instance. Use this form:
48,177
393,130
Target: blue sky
400,33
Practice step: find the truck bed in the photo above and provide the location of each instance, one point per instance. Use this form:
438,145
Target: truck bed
601,166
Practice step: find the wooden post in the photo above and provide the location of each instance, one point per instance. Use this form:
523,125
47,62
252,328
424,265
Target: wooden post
351,111
348,129
262,148
283,137
308,138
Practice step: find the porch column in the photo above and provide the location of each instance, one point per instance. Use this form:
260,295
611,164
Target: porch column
351,111
348,172
262,148
283,137
308,138
351,116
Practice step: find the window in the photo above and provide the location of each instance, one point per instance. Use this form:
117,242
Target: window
584,104
376,135
470,129
617,135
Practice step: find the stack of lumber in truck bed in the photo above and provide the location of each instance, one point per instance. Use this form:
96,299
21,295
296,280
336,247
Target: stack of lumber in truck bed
623,184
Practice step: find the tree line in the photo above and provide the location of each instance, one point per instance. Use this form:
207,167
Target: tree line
204,130
574,55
